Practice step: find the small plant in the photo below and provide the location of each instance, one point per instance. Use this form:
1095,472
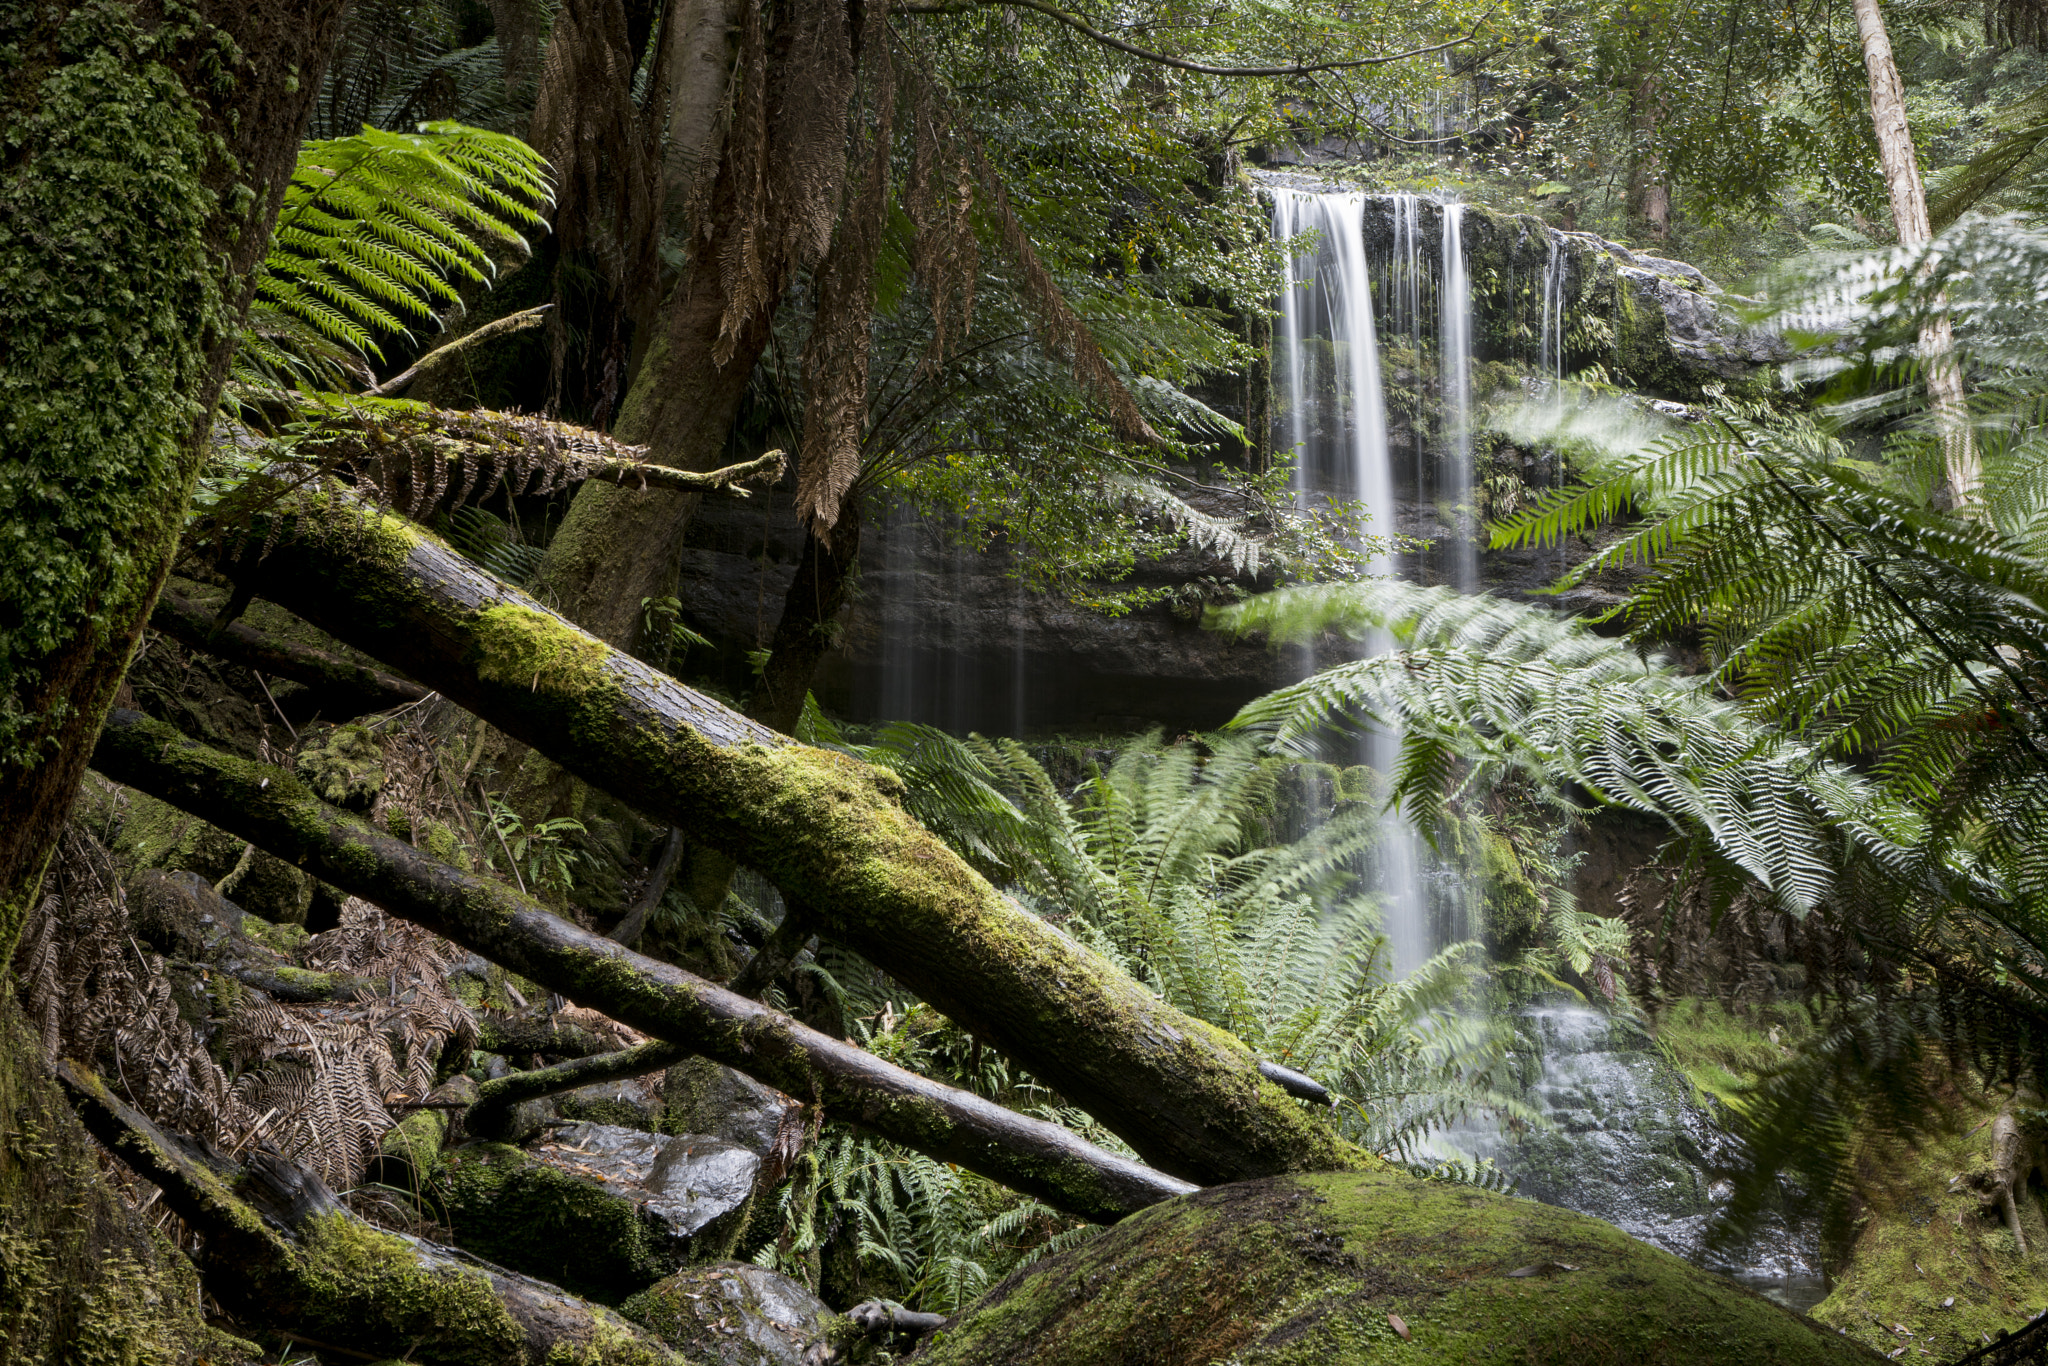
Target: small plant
538,856
667,640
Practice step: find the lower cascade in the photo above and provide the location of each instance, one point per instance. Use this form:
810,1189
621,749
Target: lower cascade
1626,1141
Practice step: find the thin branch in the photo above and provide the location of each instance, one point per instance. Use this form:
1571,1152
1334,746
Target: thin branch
1082,26
503,327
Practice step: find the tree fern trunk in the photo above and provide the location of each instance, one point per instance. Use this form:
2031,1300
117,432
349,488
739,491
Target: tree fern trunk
145,157
827,830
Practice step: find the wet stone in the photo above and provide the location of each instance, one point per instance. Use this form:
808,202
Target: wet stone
692,1186
735,1314
704,1097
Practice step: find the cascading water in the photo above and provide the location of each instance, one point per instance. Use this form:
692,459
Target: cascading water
1454,368
1627,1142
1336,423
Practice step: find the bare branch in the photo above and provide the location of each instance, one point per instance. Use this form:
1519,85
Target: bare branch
1082,26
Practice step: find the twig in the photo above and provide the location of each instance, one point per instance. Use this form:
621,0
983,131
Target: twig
503,327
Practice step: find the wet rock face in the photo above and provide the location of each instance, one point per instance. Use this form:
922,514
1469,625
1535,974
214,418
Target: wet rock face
1344,1269
704,1097
628,1103
1627,1143
735,1314
600,1210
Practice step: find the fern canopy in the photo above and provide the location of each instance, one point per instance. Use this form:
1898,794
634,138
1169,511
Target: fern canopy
380,230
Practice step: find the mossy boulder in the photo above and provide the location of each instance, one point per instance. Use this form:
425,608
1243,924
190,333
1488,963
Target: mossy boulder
738,1314
598,1210
343,764
1319,1268
153,834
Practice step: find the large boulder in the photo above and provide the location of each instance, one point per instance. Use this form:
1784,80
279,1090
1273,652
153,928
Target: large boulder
703,1097
597,1209
1343,1269
737,1314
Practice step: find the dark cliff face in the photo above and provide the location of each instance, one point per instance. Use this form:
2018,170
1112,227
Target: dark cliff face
944,636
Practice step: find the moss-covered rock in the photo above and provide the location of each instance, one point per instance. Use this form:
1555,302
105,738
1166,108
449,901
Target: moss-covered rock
736,1314
1931,1264
154,834
1318,1269
601,1211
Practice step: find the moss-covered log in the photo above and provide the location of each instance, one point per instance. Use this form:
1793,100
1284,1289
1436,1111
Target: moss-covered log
830,831
182,916
273,810
344,689
281,1249
491,1114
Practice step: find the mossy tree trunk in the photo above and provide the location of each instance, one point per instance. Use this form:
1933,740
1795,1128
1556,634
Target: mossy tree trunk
830,832
146,151
275,811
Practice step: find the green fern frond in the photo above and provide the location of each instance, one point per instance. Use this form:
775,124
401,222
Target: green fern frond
379,230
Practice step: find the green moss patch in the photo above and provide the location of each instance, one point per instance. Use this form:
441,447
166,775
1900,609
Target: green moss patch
1929,1266
1294,1271
533,1218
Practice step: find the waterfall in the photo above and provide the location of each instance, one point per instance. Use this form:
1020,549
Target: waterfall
1454,323
1550,357
1336,422
1406,320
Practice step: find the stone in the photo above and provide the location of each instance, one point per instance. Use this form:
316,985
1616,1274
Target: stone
1317,1268
736,1314
703,1097
597,1209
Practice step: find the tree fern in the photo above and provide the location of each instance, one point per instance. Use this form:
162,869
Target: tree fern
377,232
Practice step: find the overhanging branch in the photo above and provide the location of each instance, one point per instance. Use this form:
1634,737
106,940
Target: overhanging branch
1082,26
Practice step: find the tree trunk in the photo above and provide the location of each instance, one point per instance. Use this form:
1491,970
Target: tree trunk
331,1279
611,552
270,808
340,689
804,631
1909,218
146,159
830,832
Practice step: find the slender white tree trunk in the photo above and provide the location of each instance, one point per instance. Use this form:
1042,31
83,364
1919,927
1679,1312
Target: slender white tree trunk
1909,214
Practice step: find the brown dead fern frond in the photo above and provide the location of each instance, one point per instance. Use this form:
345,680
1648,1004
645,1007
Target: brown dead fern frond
836,354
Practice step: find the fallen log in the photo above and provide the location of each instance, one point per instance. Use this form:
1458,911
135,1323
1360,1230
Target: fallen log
491,1115
829,831
347,689
275,811
282,1250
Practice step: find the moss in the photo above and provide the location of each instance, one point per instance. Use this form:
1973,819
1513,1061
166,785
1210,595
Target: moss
534,1218
1721,1051
81,1279
1307,1270
154,834
1926,1255
517,644
343,765
352,1275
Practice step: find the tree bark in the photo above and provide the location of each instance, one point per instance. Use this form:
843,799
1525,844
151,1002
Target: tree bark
342,689
147,154
803,633
273,810
1910,221
829,831
331,1278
